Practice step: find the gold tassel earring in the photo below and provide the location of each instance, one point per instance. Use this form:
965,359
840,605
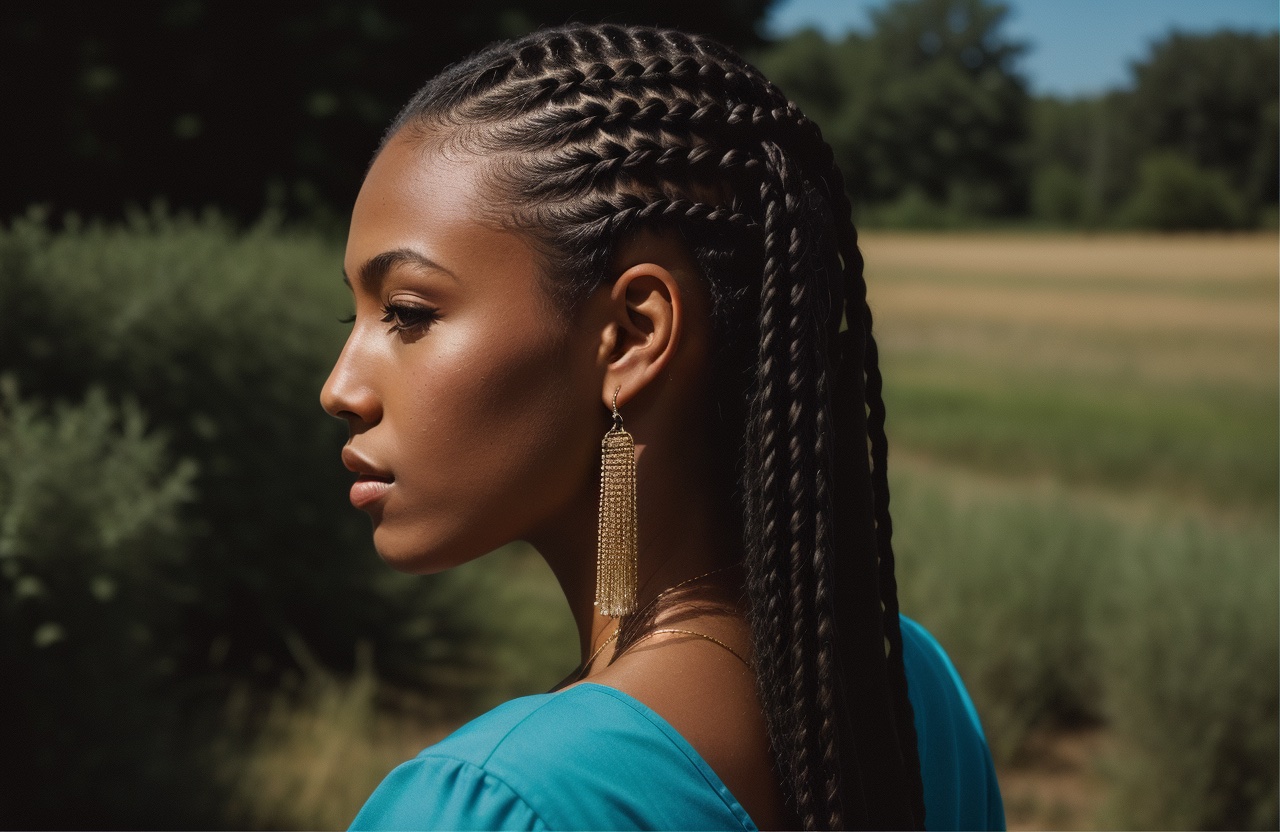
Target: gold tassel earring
616,551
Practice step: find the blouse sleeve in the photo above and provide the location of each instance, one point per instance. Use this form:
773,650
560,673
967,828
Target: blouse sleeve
432,792
960,787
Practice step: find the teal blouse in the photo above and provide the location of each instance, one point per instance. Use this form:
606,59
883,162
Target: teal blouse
591,757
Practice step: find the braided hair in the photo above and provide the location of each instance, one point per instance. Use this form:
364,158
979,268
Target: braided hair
595,132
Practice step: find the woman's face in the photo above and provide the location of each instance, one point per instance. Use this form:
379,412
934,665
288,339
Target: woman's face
473,406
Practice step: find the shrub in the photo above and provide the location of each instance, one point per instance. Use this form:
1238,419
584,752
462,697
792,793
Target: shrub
1059,608
1173,194
913,210
89,540
224,339
1192,657
1058,195
1006,581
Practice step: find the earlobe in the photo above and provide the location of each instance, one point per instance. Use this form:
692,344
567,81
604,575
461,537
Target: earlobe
647,318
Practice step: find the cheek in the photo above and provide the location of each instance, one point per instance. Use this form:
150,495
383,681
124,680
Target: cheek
496,437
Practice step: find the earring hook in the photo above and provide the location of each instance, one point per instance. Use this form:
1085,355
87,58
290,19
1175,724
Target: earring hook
617,417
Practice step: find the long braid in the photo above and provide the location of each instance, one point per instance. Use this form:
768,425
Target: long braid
783,252
603,130
856,299
884,533
769,583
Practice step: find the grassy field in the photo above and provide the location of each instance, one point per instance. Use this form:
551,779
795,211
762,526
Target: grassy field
1083,437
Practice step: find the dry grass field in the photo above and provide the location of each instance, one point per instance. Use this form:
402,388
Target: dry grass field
1190,309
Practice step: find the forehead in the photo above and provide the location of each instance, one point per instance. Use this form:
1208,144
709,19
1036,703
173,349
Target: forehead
426,200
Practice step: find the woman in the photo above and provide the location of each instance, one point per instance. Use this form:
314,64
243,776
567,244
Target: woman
629,235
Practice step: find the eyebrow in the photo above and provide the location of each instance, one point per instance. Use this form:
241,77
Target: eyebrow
377,267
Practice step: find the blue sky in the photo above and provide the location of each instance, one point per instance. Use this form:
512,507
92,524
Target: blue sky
1077,47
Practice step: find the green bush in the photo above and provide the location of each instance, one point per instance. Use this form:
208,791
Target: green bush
1006,581
1192,656
913,210
1061,608
1173,194
223,338
1058,195
90,542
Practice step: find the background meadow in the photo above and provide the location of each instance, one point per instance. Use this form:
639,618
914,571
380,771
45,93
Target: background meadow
1076,301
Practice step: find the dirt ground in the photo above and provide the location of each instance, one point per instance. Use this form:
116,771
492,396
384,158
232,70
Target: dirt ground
1058,786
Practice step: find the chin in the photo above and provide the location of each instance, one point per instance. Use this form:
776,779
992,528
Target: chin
416,554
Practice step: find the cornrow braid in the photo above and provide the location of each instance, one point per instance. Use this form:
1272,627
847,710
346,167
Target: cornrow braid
596,132
654,114
582,169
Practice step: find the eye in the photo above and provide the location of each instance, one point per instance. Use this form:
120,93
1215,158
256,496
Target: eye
350,319
404,318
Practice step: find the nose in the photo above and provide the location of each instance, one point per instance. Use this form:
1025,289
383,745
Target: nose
347,393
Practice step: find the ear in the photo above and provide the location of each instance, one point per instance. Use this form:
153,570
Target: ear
645,317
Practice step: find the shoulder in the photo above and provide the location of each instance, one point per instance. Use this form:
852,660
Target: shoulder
960,785
588,757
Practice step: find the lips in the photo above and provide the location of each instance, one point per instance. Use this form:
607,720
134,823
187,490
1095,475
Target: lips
366,490
372,483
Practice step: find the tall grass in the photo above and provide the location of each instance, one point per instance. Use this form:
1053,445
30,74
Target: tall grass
1192,658
1061,607
1085,466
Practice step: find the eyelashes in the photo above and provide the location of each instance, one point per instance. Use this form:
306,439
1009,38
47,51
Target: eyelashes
408,318
403,318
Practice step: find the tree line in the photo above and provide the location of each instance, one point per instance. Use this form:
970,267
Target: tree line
249,107
934,125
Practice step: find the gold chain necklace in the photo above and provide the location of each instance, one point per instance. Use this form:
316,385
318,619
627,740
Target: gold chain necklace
618,628
735,653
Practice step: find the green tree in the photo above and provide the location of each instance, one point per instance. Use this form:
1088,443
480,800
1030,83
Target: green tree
1175,194
1085,146
237,104
929,103
1213,99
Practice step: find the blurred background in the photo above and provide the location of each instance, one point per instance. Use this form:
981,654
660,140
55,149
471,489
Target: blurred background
1069,216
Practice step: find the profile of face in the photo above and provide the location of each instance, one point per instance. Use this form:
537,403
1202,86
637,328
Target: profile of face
473,404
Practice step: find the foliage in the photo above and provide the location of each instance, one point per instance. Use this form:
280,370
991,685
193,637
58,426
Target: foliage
1173,194
1082,155
90,547
1207,100
241,105
1084,471
1213,98
313,750
224,339
1058,195
1058,610
929,102
1007,581
1192,652
933,128
307,754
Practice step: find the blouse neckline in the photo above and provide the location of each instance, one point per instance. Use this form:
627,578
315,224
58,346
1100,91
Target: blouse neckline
677,739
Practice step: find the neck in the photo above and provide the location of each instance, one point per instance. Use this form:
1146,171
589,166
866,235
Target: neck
684,532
